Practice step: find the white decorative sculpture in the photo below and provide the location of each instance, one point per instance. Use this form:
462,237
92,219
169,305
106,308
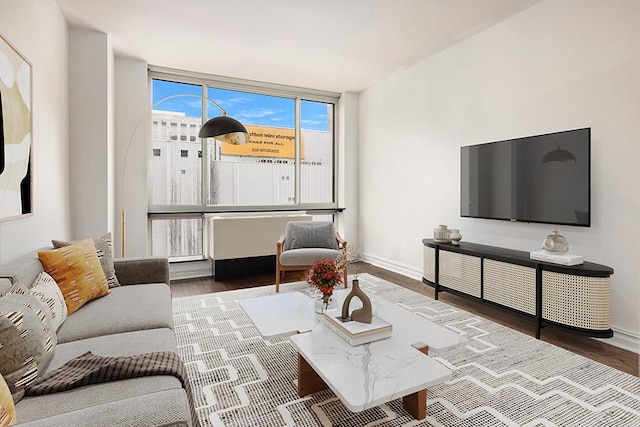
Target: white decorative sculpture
555,242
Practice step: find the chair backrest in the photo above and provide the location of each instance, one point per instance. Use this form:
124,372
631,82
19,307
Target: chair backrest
310,234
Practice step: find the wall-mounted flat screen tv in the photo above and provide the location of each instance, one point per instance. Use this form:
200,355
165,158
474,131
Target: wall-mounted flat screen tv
544,179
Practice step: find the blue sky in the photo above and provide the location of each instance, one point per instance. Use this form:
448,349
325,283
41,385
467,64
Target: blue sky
248,108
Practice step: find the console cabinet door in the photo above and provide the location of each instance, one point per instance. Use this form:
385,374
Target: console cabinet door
511,285
460,272
429,264
578,301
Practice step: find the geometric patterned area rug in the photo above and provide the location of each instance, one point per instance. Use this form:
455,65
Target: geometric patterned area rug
501,377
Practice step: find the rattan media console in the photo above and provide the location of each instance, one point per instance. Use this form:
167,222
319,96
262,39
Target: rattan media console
575,297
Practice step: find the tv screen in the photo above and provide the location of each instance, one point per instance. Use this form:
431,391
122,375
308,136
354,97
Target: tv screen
543,178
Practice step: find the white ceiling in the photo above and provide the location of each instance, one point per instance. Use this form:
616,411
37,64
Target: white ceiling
336,45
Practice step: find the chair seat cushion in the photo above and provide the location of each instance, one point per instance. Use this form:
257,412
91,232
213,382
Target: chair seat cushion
307,256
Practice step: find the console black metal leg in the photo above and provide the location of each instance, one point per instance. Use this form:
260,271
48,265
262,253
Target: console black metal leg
538,300
436,277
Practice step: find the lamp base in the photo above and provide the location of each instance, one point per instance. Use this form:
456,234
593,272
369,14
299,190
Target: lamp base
123,227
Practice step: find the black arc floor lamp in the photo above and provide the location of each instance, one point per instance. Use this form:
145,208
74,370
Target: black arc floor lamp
224,128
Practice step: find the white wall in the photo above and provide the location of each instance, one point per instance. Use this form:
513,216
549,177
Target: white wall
131,103
90,132
38,30
348,171
555,66
111,144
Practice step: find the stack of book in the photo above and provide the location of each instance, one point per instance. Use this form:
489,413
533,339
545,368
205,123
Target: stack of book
556,257
357,333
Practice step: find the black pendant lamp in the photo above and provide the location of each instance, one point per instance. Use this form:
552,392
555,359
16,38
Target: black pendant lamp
225,129
562,156
558,155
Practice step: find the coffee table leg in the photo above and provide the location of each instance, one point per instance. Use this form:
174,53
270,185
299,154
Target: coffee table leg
416,403
308,381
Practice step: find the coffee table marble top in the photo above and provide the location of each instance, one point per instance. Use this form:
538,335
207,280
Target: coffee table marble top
281,315
371,374
290,313
366,375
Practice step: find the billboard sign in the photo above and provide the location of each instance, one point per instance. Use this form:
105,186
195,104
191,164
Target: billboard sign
265,141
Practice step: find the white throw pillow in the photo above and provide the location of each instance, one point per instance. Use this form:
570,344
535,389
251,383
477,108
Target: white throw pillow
47,290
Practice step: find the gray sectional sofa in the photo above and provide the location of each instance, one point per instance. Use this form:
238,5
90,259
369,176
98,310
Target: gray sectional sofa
134,318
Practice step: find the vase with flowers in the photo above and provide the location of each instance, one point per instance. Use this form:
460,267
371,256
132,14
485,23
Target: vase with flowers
325,275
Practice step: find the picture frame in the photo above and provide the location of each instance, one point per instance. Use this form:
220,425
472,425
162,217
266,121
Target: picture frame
16,129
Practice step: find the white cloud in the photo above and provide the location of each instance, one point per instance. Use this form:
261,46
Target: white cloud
257,113
231,102
194,103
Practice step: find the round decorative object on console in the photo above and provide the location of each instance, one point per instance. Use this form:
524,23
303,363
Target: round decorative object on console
442,234
555,242
455,236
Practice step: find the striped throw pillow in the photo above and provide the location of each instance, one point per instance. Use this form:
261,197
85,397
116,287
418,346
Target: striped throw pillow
78,273
7,408
104,250
28,341
46,289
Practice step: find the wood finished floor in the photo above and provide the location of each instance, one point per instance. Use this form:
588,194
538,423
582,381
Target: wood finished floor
614,357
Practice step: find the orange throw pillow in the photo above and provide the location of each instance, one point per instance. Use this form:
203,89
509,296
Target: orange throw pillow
77,271
7,408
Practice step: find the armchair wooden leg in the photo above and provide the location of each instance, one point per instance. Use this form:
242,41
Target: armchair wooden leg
277,279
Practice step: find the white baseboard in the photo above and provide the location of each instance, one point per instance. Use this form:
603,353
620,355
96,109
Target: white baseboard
387,264
622,338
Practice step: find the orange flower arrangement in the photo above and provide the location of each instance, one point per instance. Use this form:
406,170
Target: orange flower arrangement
326,274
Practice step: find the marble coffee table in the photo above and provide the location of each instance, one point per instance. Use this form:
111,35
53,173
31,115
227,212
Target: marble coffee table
362,376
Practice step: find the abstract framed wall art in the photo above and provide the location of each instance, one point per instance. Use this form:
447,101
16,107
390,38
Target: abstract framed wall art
15,133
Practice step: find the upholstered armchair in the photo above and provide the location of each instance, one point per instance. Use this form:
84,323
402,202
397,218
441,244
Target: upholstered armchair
303,242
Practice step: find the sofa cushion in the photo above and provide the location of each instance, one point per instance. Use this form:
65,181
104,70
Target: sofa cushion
78,273
310,234
125,309
307,256
125,344
156,408
7,408
104,251
28,341
23,270
46,290
5,286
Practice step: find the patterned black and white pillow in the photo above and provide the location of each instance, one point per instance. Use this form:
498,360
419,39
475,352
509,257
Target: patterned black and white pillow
28,340
46,289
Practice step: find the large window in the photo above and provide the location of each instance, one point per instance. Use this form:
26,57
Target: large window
288,164
176,177
260,173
